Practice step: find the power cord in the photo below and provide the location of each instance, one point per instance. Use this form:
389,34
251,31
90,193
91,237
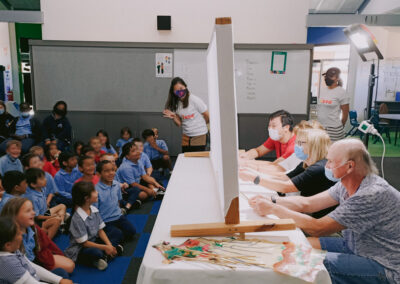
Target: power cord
367,127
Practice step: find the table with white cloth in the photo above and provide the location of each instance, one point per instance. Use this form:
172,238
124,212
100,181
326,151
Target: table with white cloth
392,116
192,198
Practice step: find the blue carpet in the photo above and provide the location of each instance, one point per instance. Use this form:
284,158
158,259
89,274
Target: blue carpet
123,268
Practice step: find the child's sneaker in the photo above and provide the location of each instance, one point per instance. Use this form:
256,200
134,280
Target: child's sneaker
123,211
100,264
136,204
120,249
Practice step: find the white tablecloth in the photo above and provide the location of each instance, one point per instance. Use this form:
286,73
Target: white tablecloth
191,198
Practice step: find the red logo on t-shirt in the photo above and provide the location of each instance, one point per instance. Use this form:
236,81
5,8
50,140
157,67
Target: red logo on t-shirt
191,116
328,102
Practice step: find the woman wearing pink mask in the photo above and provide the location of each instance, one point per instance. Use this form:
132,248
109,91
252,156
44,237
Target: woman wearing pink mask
190,112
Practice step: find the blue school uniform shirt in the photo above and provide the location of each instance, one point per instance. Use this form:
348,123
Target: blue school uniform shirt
108,204
83,228
23,126
29,243
7,163
51,187
145,160
13,267
130,172
65,181
6,197
153,153
110,150
121,142
38,199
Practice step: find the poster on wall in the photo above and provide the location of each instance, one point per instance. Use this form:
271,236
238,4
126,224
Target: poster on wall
278,62
163,65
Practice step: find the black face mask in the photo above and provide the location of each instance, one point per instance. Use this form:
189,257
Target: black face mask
60,112
329,81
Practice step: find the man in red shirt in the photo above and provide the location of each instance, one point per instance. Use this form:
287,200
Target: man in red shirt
281,138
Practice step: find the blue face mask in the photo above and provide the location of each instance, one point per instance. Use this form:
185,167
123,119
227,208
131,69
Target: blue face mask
1,111
329,174
25,114
299,152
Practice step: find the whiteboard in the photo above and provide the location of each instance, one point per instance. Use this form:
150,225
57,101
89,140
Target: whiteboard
257,90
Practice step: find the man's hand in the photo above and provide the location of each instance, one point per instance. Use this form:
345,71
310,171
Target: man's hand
247,175
261,205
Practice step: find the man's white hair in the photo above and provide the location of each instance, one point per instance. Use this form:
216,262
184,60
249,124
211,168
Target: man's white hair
353,149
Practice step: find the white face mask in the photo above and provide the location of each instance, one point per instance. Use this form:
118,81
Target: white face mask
274,134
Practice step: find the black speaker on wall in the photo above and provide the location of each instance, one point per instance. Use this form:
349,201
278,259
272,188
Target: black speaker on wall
164,23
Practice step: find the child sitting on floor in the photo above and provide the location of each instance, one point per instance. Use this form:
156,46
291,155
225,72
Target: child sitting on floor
15,267
66,177
89,244
15,185
110,197
95,143
157,150
31,160
36,244
125,137
143,156
10,161
105,143
87,167
48,167
51,154
49,219
78,145
132,172
109,157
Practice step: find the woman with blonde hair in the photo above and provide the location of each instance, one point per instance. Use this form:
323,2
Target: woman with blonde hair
308,177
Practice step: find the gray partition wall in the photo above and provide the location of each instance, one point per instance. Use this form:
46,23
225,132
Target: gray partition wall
112,85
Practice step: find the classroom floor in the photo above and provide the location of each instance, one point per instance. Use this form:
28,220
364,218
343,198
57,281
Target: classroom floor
123,269
392,150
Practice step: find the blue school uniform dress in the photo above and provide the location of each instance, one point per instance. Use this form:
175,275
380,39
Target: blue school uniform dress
8,163
153,153
110,150
84,228
121,142
16,268
64,181
6,197
38,199
28,240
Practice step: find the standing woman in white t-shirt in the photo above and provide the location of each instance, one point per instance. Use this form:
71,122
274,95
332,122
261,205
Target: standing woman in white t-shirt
190,112
333,101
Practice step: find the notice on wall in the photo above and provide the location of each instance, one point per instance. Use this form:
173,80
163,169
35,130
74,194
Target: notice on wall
278,62
163,65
